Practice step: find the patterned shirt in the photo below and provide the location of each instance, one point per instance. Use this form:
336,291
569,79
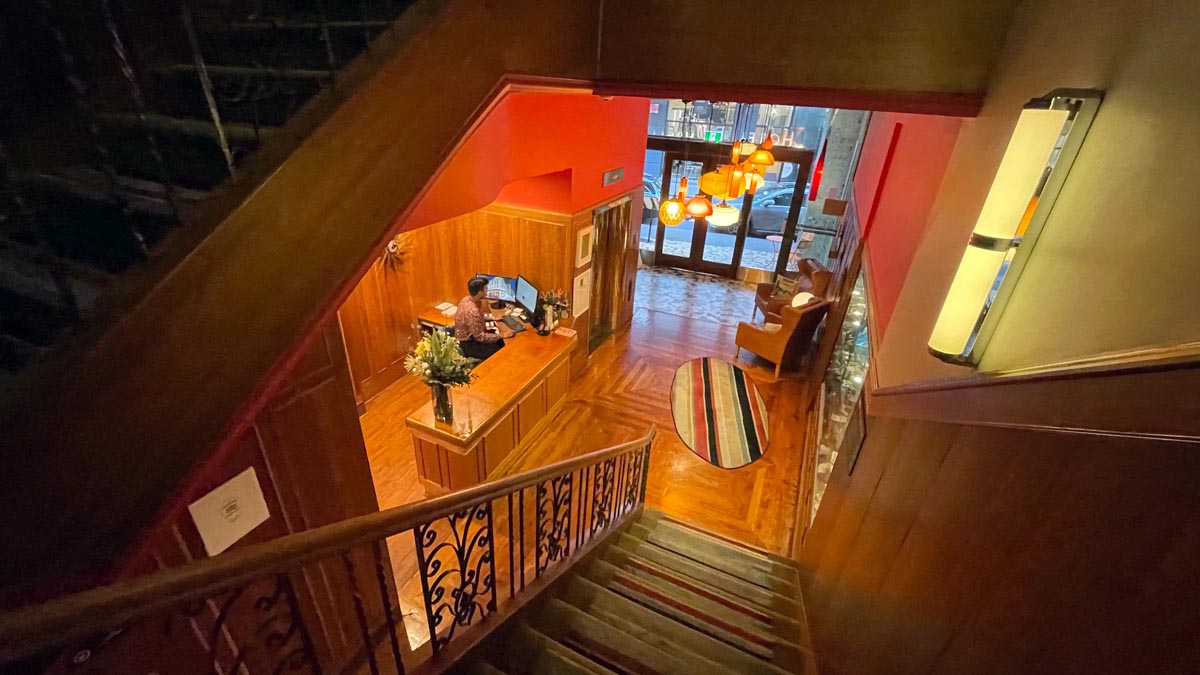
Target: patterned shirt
469,324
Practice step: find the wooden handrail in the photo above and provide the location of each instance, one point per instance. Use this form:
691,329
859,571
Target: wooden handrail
26,631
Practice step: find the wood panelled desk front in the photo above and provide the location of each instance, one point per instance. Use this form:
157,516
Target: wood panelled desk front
514,392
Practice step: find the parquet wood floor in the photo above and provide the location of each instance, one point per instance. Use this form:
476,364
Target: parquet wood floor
624,391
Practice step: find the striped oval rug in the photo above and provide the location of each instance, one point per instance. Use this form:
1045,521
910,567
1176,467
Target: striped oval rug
719,413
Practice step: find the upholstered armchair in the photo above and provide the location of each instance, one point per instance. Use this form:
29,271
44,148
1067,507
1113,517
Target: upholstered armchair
812,277
785,343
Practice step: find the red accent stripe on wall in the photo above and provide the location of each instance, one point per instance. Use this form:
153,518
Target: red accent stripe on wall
883,176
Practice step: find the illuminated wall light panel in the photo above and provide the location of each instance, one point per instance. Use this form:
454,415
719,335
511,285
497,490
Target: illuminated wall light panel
1040,152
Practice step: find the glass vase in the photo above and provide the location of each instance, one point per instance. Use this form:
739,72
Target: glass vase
443,410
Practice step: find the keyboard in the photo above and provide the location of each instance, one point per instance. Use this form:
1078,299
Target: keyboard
514,323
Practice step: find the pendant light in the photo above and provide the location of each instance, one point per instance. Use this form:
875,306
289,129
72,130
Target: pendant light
757,164
724,215
671,211
754,180
762,157
698,206
727,182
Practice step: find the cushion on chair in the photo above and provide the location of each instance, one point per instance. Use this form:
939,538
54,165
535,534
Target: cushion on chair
801,299
784,286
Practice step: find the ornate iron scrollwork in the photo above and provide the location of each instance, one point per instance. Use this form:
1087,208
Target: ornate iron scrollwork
604,480
553,521
459,564
633,482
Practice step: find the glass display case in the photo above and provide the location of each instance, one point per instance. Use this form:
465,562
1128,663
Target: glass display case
842,387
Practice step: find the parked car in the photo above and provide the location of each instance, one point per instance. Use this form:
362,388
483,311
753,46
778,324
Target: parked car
769,210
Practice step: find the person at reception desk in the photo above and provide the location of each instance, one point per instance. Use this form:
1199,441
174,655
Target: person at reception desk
469,325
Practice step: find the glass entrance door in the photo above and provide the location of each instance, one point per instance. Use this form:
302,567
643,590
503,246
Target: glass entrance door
695,244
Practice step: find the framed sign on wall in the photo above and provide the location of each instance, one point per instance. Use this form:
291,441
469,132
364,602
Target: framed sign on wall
583,245
582,293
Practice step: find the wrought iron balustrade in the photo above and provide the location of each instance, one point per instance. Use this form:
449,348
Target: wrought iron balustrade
332,599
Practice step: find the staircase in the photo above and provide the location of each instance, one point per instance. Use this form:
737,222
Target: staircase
661,597
144,126
559,569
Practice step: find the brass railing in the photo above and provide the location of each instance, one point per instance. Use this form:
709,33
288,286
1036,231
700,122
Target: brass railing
329,600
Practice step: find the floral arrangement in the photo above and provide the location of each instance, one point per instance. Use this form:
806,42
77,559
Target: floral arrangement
438,359
558,300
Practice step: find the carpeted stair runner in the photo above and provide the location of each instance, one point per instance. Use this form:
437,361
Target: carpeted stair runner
661,598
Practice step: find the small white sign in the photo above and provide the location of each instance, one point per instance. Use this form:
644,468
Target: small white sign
582,295
229,512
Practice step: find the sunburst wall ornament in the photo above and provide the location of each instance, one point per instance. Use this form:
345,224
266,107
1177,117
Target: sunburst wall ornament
393,254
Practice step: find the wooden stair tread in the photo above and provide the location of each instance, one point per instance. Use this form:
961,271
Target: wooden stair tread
723,557
639,568
753,625
660,630
242,71
604,642
27,279
660,518
779,600
532,652
730,633
92,185
300,24
183,126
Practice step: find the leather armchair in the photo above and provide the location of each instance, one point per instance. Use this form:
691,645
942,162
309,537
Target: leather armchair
812,277
788,345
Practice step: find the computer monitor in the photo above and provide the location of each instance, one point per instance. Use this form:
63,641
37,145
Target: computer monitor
527,294
500,288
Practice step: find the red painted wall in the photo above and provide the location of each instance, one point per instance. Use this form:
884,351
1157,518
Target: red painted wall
529,135
901,199
549,192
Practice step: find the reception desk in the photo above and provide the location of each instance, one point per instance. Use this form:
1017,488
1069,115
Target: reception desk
514,392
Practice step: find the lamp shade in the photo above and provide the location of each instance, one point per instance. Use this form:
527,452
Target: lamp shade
762,156
715,182
1006,212
671,211
754,180
698,207
727,182
724,215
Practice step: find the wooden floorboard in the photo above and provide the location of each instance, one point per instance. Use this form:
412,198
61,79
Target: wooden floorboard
625,390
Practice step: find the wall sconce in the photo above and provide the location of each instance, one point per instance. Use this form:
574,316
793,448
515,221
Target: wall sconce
1034,167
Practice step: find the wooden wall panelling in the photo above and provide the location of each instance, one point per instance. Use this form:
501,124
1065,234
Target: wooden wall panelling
581,323
556,385
499,442
530,410
429,466
307,453
955,549
436,262
462,470
311,440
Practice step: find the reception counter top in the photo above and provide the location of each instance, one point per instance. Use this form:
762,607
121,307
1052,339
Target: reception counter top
513,392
